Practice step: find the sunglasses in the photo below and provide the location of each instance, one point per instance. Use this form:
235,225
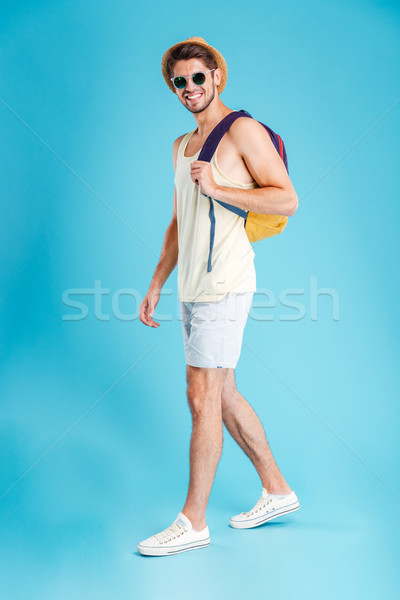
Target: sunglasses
198,79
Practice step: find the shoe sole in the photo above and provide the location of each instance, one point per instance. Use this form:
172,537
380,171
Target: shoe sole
165,552
278,513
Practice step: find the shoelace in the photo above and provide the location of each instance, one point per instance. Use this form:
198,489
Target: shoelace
261,503
172,532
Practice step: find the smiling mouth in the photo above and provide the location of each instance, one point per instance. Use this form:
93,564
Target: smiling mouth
194,97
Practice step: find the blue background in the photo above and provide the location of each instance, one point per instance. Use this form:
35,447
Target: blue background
95,426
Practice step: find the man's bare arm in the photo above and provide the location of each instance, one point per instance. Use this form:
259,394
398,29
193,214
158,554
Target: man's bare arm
167,262
275,194
169,253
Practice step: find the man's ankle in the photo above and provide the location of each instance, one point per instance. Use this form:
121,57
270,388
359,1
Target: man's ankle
278,491
197,524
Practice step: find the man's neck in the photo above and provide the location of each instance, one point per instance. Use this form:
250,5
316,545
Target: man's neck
209,118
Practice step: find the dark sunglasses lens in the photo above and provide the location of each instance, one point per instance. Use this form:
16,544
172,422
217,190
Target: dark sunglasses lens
199,78
179,82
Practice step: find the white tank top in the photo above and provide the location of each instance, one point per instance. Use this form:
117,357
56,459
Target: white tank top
232,257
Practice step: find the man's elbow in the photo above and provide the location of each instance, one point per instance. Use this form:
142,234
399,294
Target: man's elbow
292,205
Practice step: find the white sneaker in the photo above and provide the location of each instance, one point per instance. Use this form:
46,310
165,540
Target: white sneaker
178,537
267,507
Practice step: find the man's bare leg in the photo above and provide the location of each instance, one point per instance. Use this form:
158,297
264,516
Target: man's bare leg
204,391
245,427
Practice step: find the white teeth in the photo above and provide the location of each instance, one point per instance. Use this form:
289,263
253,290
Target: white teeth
194,96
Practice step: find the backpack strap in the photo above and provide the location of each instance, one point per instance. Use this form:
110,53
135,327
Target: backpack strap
216,135
206,154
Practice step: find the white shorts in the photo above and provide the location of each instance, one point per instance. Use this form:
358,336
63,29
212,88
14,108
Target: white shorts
213,331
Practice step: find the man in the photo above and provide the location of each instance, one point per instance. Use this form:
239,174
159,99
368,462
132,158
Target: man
247,172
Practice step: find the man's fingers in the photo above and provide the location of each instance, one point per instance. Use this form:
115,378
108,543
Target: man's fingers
146,315
151,321
143,314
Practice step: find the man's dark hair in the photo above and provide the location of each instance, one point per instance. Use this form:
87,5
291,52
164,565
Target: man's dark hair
187,51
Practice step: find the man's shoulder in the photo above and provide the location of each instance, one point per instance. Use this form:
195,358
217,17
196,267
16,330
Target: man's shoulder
175,147
246,133
246,126
177,141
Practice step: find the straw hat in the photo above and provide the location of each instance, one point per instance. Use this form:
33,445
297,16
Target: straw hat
219,59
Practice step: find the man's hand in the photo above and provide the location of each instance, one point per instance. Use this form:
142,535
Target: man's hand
147,307
201,173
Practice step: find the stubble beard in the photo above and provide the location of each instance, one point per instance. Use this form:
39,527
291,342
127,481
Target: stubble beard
206,105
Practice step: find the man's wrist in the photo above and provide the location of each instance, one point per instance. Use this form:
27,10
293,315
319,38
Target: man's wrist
155,286
216,193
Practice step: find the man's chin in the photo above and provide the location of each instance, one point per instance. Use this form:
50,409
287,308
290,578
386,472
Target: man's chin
194,106
195,110
199,107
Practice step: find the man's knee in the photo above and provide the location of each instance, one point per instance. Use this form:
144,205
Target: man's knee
197,403
204,389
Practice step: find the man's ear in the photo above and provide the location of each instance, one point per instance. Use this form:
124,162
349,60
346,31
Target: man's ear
217,76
